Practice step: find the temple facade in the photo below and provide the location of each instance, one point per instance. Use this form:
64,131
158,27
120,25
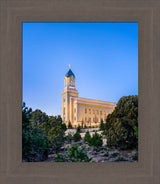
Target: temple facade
82,111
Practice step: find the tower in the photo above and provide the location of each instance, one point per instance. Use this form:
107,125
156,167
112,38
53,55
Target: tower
68,94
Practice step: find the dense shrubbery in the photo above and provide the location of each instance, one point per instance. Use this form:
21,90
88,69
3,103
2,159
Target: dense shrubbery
56,133
87,137
77,137
78,129
102,126
41,134
26,131
121,126
70,124
74,154
39,118
69,138
34,142
95,140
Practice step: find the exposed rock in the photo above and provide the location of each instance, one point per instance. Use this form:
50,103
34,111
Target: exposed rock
113,154
120,158
134,155
106,154
101,154
94,153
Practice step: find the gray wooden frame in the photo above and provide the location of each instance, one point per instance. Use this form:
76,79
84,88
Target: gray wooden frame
12,14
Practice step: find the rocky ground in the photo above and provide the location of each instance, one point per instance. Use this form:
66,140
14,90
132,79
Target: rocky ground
101,154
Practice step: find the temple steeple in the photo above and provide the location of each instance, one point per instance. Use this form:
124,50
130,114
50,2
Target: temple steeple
68,95
69,79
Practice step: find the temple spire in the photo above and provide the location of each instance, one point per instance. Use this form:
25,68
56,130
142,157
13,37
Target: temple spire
69,73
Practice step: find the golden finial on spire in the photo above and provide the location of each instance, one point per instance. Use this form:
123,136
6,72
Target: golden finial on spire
69,66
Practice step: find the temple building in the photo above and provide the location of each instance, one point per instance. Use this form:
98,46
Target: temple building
82,111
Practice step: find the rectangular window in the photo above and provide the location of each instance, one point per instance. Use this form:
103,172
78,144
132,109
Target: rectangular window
64,110
89,111
75,110
85,110
97,112
100,112
93,111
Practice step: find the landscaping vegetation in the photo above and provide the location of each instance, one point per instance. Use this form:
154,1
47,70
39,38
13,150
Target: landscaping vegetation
44,137
121,128
74,153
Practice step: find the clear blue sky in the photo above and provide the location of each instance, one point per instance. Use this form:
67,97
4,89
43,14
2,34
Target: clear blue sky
103,57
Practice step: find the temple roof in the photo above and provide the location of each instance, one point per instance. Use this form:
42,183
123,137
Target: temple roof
70,73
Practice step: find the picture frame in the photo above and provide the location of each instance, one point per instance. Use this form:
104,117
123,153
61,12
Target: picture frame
13,13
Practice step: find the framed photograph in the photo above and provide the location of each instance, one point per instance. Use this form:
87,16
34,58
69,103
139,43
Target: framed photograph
93,116
87,119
